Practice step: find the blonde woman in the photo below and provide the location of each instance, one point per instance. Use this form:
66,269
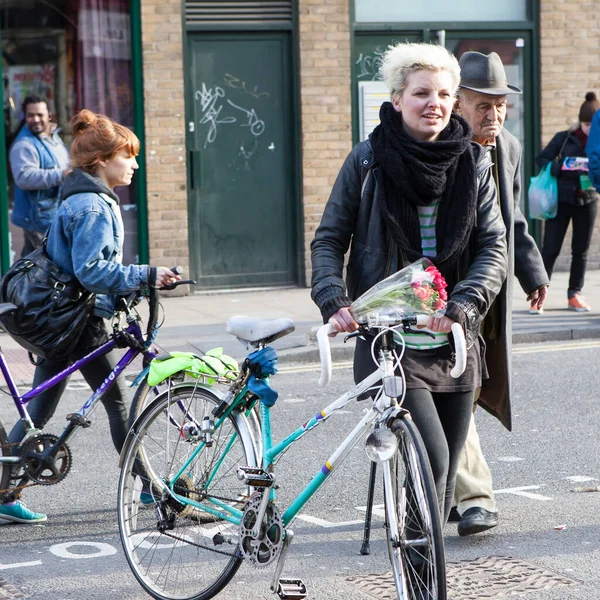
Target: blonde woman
418,187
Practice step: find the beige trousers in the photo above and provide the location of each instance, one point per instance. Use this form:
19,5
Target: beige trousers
473,479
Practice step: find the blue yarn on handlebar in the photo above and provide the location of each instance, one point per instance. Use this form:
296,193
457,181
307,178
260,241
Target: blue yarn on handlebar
263,363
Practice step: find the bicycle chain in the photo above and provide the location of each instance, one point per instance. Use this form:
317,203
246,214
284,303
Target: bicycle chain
187,541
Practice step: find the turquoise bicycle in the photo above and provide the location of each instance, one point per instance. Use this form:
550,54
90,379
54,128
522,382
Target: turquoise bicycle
196,496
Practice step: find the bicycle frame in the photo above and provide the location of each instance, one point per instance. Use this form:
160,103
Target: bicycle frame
271,452
132,329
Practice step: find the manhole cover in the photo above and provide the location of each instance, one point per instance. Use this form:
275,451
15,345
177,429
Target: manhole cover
482,578
9,591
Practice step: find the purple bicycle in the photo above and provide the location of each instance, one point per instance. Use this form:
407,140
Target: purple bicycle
45,458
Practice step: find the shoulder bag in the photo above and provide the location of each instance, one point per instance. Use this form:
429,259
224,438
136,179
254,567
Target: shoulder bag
52,307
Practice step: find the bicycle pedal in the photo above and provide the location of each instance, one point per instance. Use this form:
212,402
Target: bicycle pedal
291,589
78,419
255,477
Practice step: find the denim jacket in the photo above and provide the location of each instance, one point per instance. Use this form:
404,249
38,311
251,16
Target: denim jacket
86,241
37,164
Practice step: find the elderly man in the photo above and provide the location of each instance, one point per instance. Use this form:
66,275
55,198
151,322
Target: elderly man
482,103
39,161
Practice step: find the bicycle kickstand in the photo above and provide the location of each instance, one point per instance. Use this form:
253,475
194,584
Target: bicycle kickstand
365,549
287,589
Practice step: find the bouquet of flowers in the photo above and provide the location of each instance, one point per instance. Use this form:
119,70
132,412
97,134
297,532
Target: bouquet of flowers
419,288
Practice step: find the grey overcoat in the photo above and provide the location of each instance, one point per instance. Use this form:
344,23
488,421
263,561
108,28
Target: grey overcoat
525,261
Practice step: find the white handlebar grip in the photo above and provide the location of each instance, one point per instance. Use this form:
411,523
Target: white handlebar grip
422,320
325,353
460,350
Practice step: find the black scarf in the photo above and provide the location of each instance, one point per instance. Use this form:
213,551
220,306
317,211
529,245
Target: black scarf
417,173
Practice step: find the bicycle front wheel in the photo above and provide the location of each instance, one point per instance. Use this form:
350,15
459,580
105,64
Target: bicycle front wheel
416,549
179,551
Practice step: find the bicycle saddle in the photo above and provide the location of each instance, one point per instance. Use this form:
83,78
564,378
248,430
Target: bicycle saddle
251,331
6,307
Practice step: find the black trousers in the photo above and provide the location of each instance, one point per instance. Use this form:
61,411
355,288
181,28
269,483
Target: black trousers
583,218
443,421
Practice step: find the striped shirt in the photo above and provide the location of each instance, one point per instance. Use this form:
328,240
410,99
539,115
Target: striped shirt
427,220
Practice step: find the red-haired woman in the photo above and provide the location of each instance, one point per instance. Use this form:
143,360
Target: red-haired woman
86,241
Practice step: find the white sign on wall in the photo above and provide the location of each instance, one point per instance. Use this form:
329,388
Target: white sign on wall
371,95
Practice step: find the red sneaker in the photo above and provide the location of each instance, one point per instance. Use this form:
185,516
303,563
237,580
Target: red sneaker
578,304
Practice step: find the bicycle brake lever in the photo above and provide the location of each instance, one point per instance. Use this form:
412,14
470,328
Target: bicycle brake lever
409,329
357,333
172,286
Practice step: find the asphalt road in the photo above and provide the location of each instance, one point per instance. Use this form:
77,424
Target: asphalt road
553,451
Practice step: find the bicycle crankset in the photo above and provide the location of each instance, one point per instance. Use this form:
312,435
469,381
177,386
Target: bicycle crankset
43,461
263,549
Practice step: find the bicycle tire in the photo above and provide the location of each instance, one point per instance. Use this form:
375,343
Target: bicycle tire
4,467
197,557
418,559
145,394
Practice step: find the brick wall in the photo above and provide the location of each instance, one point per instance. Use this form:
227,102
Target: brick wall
165,132
570,67
326,104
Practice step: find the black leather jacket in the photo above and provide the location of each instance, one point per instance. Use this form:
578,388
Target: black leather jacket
353,217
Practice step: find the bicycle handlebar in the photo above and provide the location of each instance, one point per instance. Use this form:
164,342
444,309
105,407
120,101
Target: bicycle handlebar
133,298
323,333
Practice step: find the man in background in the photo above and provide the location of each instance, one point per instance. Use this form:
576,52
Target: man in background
482,99
39,162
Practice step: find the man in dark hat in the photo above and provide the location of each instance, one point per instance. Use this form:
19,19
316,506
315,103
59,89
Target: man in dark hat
482,103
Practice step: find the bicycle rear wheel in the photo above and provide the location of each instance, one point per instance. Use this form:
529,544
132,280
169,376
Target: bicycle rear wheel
417,549
177,551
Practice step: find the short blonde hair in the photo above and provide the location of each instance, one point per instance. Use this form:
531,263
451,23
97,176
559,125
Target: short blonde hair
403,59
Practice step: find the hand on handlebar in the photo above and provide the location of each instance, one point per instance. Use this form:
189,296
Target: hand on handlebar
165,277
343,321
439,324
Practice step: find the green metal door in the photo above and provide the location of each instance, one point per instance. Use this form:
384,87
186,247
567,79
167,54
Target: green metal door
241,199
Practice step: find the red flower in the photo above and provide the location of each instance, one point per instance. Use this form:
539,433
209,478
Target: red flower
423,293
439,304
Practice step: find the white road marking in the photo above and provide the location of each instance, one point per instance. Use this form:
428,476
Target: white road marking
327,524
526,349
547,347
33,563
62,550
510,458
522,491
378,509
294,400
580,478
313,367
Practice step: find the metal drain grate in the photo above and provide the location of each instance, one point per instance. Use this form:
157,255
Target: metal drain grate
9,591
482,578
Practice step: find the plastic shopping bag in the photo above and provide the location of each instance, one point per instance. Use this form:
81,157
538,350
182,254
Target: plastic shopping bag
543,195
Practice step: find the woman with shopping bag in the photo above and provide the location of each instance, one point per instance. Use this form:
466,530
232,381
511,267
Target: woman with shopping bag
577,200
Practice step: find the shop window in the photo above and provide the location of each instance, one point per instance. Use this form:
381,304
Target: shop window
76,54
404,11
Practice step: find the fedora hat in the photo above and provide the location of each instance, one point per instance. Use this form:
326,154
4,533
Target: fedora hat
484,73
